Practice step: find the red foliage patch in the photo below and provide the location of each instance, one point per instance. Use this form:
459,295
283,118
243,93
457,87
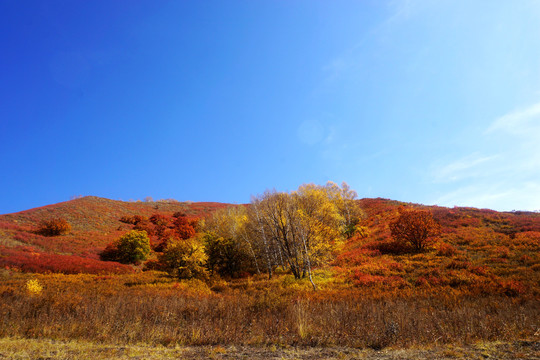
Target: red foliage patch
28,260
388,246
361,279
445,249
355,256
513,288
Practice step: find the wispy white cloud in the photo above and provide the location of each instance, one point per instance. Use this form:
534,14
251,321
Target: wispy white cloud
346,61
349,59
469,166
474,196
506,175
498,196
525,122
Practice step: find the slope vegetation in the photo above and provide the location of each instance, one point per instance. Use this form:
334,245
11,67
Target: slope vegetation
95,222
479,250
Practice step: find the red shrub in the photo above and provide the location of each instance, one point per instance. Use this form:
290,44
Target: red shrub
362,279
154,265
145,225
110,253
184,227
415,228
134,220
26,259
160,220
355,256
127,219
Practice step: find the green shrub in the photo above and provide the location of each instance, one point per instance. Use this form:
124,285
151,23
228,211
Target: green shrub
225,256
131,248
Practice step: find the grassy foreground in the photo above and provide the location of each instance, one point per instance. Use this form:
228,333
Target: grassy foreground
17,348
155,310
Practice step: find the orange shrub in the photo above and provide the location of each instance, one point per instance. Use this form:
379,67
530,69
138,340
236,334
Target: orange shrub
445,249
512,288
415,228
54,227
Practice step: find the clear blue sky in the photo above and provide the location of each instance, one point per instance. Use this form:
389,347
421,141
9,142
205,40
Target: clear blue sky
434,102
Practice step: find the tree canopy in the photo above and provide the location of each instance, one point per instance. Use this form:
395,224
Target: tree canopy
415,228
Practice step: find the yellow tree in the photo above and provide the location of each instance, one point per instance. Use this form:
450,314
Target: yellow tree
318,225
345,199
302,227
297,230
227,242
261,235
185,258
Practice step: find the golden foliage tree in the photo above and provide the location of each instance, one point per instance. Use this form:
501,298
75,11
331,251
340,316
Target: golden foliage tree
301,229
297,230
185,259
345,199
227,242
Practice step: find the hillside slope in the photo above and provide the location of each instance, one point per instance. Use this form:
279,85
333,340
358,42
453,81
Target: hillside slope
478,248
479,282
95,222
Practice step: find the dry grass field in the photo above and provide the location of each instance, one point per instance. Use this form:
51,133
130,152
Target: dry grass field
152,309
18,348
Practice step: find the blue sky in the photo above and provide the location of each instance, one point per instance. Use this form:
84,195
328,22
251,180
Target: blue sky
434,102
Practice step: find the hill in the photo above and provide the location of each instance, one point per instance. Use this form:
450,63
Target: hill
479,250
95,222
480,281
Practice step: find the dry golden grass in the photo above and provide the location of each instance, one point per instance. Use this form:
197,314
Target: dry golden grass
151,309
17,348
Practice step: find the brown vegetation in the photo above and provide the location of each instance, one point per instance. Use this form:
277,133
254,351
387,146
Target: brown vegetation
17,348
154,310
